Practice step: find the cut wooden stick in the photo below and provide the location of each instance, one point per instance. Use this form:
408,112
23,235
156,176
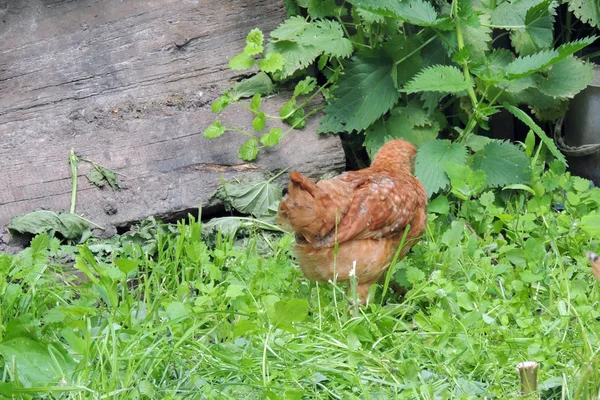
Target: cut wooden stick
528,374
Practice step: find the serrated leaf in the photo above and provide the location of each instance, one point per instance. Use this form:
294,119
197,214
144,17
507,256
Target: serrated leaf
214,130
416,12
255,102
410,122
305,86
503,163
297,120
429,165
566,78
521,115
241,61
587,11
254,42
478,36
249,150
220,103
538,31
523,66
414,275
364,93
465,182
101,176
260,83
258,123
327,36
253,198
272,138
404,52
290,29
322,8
295,56
439,78
272,62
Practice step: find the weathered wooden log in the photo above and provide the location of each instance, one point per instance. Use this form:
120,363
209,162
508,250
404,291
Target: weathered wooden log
129,85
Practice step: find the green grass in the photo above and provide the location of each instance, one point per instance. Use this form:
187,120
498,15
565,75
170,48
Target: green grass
169,313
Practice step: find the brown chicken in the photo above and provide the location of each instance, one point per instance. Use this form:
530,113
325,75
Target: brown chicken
365,212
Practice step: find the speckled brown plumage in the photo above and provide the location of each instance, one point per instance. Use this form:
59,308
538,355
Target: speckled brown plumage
365,212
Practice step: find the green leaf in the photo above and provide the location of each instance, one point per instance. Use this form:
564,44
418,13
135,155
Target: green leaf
414,275
439,205
126,265
101,176
70,226
521,115
258,123
220,103
404,51
241,61
590,224
214,130
253,198
587,11
429,165
255,102
226,225
439,78
365,92
297,120
416,12
503,163
260,83
290,29
249,150
296,57
288,108
523,66
566,78
322,8
327,36
254,42
410,122
538,32
290,311
478,36
37,363
272,138
272,62
305,86
465,183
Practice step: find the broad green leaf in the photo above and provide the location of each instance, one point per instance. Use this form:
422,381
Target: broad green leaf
290,29
465,182
523,66
290,311
538,34
220,103
521,115
259,83
258,123
272,138
503,163
478,36
439,205
255,102
587,11
591,225
305,86
244,326
295,56
322,8
327,36
410,122
214,130
37,363
272,62
254,42
126,265
429,165
227,225
404,52
70,226
566,78
414,275
253,198
241,61
511,15
365,92
249,150
416,12
439,78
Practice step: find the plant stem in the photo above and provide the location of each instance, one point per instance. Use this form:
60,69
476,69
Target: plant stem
461,44
73,160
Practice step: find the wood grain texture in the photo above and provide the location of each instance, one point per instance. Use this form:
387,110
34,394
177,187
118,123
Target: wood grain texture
128,84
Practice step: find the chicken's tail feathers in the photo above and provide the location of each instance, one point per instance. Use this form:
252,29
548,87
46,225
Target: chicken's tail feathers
304,182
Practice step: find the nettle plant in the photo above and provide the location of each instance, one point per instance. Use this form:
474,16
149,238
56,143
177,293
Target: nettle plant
417,70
